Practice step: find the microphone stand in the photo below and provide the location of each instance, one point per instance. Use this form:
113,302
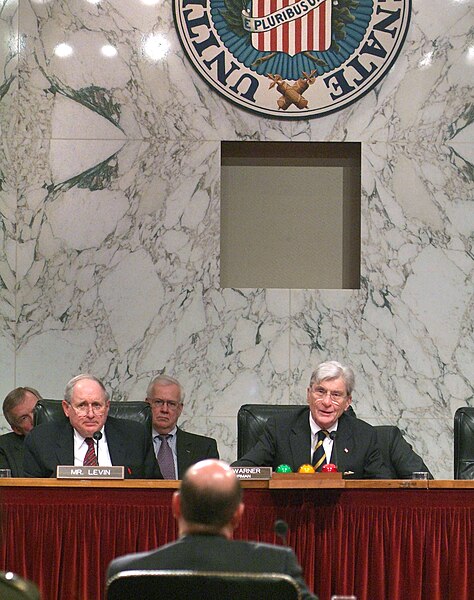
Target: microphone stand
97,436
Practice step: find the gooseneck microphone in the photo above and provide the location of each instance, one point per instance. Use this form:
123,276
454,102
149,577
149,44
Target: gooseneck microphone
280,527
333,436
97,436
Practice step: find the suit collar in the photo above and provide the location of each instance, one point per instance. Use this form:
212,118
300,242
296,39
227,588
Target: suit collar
300,431
184,451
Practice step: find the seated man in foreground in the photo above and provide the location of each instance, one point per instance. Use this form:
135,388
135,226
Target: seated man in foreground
321,432
71,441
208,508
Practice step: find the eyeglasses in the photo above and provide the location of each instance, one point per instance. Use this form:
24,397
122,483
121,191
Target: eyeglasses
83,409
158,403
319,393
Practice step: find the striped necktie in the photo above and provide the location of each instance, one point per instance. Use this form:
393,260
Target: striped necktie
90,459
319,456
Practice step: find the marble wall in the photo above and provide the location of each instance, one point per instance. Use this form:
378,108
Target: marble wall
109,238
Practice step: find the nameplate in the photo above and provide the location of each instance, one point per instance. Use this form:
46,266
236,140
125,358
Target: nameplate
66,472
254,473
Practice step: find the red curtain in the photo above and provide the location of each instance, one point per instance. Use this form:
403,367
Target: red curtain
378,545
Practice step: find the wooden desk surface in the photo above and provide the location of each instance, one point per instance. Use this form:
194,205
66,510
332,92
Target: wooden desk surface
306,482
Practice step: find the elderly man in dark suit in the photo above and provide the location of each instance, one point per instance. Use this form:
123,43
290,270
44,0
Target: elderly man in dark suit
18,408
321,432
208,507
71,441
176,450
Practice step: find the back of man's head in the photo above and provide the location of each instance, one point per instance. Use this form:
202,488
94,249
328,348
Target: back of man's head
210,497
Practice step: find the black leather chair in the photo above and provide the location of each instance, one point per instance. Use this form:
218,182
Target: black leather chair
52,410
464,443
189,585
13,587
251,420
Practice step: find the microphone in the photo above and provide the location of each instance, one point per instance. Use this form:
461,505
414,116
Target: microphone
97,436
333,436
281,529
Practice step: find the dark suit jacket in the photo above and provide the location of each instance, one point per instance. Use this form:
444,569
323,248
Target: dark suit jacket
191,448
216,553
397,453
11,453
355,449
52,444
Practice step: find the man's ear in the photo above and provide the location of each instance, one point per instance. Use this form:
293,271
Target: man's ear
176,505
66,407
237,516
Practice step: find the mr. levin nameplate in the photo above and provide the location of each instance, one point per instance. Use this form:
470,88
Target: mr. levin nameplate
292,58
255,473
68,472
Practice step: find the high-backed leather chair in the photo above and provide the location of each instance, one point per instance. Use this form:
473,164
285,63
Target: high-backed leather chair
52,410
397,454
464,443
251,420
189,585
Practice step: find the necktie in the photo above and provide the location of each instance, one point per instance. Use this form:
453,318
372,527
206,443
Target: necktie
165,458
319,456
90,459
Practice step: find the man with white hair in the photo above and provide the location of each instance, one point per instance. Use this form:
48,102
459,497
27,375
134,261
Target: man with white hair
176,450
322,432
72,439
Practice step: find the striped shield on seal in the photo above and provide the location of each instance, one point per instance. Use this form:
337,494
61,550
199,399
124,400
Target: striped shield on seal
286,31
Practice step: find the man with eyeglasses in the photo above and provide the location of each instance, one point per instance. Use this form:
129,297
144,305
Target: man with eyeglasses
88,436
18,408
322,432
176,450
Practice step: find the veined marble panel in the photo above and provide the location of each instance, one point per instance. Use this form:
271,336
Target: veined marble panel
140,77
408,332
107,248
114,266
8,115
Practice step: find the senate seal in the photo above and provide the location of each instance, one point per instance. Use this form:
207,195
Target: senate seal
292,59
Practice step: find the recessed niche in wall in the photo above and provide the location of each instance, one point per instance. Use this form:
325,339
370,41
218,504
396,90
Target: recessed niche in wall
290,215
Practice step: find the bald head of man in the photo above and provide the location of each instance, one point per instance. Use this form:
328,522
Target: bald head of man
209,500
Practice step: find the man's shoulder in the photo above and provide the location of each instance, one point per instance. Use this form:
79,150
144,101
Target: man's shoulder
263,547
48,430
7,436
7,440
354,423
125,425
222,544
287,419
193,437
